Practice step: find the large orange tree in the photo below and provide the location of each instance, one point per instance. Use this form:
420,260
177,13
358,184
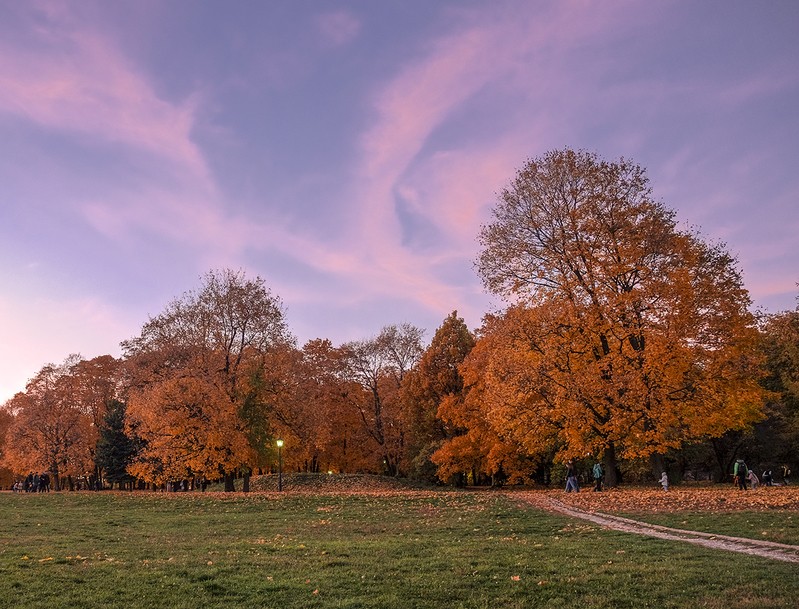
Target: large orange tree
781,347
195,374
628,336
51,431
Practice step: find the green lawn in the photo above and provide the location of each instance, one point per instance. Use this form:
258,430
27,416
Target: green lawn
402,550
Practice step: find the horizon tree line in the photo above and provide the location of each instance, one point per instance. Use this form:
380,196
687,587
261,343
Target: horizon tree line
624,339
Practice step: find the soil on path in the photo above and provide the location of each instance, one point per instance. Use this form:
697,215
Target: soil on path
754,547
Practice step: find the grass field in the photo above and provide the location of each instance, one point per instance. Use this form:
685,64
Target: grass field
384,549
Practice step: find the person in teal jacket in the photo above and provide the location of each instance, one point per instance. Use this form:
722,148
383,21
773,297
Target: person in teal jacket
599,474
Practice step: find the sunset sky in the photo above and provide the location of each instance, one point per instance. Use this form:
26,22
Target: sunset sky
348,152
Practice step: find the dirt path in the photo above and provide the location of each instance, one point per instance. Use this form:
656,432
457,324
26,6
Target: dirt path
754,547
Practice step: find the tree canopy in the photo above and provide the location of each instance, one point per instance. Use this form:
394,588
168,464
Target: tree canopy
627,333
624,337
193,370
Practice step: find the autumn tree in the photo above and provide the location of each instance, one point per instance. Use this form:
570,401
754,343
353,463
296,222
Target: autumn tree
7,477
50,431
434,378
376,368
191,428
636,335
477,448
780,344
774,439
321,430
191,376
95,384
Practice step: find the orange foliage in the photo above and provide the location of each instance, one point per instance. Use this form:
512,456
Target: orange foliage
190,428
628,335
304,398
7,477
373,371
542,385
478,446
50,432
198,380
431,381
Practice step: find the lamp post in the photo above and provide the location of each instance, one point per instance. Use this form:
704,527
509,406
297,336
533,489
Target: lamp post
280,465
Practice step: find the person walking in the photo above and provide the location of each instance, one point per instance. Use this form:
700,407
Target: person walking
664,481
571,478
740,473
786,473
599,474
754,481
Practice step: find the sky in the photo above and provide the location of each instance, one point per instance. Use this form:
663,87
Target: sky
348,152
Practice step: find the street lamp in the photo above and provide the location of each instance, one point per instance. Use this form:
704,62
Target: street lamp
280,465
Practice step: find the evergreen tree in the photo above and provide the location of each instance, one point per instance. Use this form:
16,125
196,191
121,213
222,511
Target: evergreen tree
115,449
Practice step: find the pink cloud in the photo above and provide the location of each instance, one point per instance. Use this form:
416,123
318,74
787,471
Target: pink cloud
451,189
83,84
421,97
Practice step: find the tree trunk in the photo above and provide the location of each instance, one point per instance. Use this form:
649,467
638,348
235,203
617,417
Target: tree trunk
726,454
658,464
229,483
612,474
246,487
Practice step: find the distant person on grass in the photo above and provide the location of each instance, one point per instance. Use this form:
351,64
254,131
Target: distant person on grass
753,479
740,473
599,474
664,481
786,473
571,478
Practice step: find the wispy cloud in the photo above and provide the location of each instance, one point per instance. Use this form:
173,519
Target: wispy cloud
76,80
449,189
415,139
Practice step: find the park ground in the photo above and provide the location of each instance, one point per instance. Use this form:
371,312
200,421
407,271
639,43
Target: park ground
684,498
379,545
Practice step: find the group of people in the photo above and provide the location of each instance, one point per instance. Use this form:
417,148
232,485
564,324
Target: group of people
743,476
33,483
572,485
